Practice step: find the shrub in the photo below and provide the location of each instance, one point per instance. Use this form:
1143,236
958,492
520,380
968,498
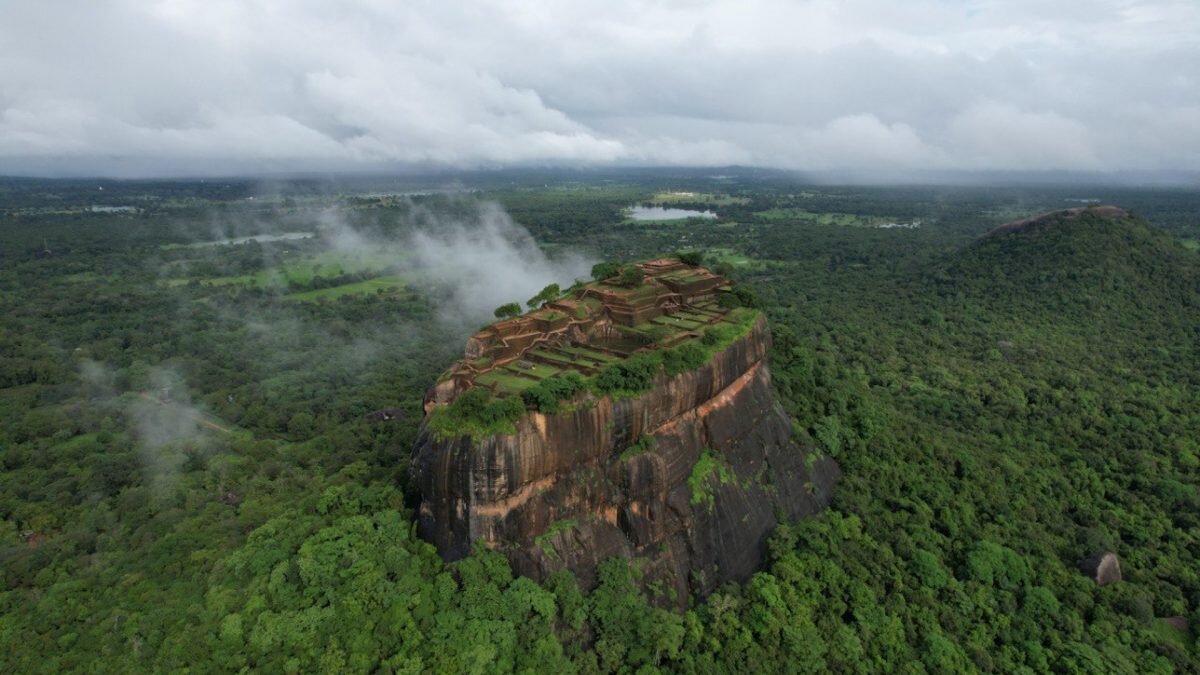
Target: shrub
685,357
656,333
706,472
633,375
547,394
605,270
990,563
476,413
643,445
508,311
500,411
717,335
740,296
470,402
545,295
928,569
692,258
631,276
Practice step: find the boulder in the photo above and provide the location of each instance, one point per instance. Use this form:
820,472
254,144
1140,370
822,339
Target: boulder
1104,567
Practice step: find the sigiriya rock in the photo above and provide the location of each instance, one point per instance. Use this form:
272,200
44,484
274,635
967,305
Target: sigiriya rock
631,417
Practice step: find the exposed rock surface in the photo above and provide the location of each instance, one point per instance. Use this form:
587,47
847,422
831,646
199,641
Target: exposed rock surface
1062,214
566,491
385,415
1103,567
1179,623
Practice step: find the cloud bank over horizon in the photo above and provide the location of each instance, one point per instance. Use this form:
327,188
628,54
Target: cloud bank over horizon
205,86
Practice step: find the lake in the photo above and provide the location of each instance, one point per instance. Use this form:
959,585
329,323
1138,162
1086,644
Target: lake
663,213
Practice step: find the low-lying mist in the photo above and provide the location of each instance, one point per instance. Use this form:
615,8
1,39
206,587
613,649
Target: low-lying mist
292,368
471,260
280,358
467,256
164,423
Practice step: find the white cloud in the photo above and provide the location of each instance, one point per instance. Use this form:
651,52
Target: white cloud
996,136
863,141
846,84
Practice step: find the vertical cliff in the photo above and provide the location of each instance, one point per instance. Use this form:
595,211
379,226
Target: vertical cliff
694,506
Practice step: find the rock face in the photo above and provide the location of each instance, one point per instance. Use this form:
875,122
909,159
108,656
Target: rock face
571,489
1103,567
1062,214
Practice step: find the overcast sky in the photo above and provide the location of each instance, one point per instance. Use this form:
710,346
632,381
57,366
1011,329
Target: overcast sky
128,86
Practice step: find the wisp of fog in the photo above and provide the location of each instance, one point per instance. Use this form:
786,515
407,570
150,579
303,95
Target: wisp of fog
474,263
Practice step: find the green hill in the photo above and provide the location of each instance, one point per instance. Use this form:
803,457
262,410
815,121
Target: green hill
1100,257
1025,400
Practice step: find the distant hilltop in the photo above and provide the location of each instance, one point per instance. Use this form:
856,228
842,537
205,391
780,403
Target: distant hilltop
1105,211
1079,260
631,416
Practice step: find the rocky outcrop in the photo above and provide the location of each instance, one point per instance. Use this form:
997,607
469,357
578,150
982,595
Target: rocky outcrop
1103,211
694,507
1103,567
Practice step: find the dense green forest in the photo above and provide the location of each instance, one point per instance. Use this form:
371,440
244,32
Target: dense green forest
196,472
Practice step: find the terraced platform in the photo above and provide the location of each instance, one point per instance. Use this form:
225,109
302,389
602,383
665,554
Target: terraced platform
591,326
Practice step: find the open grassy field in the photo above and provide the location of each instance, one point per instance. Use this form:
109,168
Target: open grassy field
589,353
667,198
538,371
385,284
677,322
843,219
565,361
735,258
327,264
89,277
506,382
1185,639
301,271
286,236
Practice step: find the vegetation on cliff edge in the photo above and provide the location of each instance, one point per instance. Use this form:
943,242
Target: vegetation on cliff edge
482,415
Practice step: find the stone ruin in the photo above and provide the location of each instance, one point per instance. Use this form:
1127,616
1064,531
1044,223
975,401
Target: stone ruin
593,325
